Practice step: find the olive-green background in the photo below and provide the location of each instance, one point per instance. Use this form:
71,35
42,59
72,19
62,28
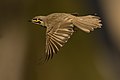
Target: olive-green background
82,58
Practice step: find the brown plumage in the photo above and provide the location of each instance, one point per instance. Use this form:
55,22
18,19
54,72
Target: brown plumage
60,28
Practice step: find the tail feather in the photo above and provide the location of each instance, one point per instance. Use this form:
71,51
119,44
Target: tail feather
87,23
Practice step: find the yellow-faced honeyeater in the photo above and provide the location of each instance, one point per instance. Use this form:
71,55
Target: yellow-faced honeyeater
60,26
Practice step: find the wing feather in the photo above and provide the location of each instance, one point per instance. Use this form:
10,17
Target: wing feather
57,37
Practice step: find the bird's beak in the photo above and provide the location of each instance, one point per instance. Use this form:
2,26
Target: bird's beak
29,20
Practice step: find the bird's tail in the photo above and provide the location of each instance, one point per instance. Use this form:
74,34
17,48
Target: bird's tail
87,23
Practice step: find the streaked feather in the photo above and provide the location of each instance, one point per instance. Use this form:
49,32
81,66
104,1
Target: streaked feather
55,40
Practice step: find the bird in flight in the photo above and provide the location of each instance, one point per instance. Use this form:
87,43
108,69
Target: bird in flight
60,26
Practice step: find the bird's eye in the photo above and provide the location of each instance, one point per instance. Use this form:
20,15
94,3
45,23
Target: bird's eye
39,19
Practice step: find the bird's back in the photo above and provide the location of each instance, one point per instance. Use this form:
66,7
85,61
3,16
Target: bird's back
56,18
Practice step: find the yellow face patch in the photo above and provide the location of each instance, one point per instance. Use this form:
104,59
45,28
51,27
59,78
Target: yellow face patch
35,20
38,21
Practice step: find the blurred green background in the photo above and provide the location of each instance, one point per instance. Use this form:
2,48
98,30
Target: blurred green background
93,56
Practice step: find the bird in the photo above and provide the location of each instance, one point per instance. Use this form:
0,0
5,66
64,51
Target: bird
60,27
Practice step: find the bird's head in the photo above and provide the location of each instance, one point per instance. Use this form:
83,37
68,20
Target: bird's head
38,20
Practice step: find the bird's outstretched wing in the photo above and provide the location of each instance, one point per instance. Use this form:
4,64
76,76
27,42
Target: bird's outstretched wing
56,37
